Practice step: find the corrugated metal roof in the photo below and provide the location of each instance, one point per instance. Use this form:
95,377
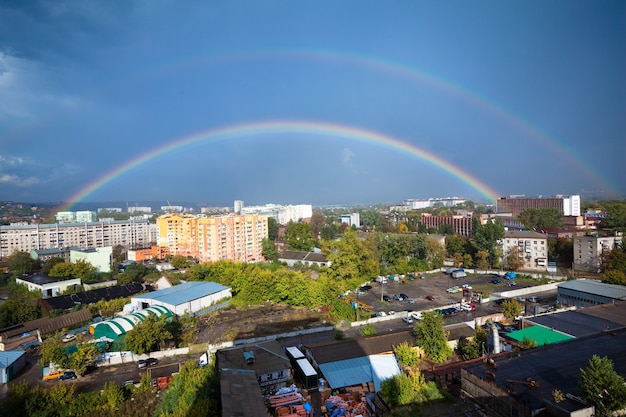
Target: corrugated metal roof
617,292
349,372
7,358
183,293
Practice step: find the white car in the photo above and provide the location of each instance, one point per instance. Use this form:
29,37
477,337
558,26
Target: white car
467,286
452,290
407,320
416,315
68,337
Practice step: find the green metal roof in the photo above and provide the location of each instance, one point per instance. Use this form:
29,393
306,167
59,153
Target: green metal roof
542,335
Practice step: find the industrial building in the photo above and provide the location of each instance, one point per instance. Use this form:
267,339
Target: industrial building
587,292
11,363
48,286
187,298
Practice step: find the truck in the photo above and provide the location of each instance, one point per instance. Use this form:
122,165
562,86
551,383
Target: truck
458,273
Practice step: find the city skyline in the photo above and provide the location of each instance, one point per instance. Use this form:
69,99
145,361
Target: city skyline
322,104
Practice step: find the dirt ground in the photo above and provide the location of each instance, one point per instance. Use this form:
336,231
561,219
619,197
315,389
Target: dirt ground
232,324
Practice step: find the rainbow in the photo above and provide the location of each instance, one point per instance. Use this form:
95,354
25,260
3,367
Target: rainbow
280,127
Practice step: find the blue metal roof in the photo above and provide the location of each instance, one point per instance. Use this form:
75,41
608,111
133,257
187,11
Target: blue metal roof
183,293
373,368
7,358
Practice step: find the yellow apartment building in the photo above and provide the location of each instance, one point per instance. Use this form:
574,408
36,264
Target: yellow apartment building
214,238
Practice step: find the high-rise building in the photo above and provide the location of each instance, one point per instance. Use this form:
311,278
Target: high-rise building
214,238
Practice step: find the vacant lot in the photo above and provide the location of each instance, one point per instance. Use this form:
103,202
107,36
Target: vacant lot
232,324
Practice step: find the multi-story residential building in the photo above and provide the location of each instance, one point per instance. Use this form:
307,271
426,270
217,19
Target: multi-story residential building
85,216
26,238
569,206
282,214
590,251
139,209
100,258
433,202
531,247
232,237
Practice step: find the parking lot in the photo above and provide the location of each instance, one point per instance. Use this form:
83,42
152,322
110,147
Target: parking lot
432,286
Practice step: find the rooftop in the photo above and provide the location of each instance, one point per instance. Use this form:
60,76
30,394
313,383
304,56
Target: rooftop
617,292
179,294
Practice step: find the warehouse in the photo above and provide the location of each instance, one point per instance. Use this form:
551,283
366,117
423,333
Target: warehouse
11,363
190,297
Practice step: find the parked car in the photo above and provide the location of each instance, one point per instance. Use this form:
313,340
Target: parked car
466,287
509,328
496,281
430,298
387,298
398,297
533,299
512,283
520,299
404,296
68,337
410,301
56,374
68,375
416,315
152,362
407,320
141,363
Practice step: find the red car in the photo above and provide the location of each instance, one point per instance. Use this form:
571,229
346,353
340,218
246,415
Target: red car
430,297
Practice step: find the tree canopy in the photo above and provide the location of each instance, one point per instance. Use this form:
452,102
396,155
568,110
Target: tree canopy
432,338
602,386
541,218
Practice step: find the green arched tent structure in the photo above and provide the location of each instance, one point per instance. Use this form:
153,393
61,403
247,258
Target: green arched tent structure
118,326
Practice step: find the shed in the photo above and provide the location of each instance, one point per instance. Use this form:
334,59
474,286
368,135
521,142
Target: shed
11,363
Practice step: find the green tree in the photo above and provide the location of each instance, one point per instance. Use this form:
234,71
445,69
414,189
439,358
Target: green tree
511,308
616,216
113,395
21,263
148,336
83,269
47,266
432,338
53,352
513,260
406,354
318,220
614,276
456,243
85,356
398,390
487,237
300,237
18,310
272,228
269,250
541,218
370,218
435,253
179,262
482,261
601,386
470,349
62,270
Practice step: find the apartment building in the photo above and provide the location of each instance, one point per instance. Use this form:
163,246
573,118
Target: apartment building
30,237
569,206
531,247
591,250
214,238
461,224
282,214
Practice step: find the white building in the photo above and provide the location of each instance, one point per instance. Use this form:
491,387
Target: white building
48,286
100,258
282,214
140,209
84,216
433,202
353,219
189,297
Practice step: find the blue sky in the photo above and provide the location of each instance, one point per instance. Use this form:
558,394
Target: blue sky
521,97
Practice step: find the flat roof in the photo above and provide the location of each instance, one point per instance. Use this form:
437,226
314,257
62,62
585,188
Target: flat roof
183,293
589,286
542,335
551,367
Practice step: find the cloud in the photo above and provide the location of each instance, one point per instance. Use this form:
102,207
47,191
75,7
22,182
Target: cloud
18,181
